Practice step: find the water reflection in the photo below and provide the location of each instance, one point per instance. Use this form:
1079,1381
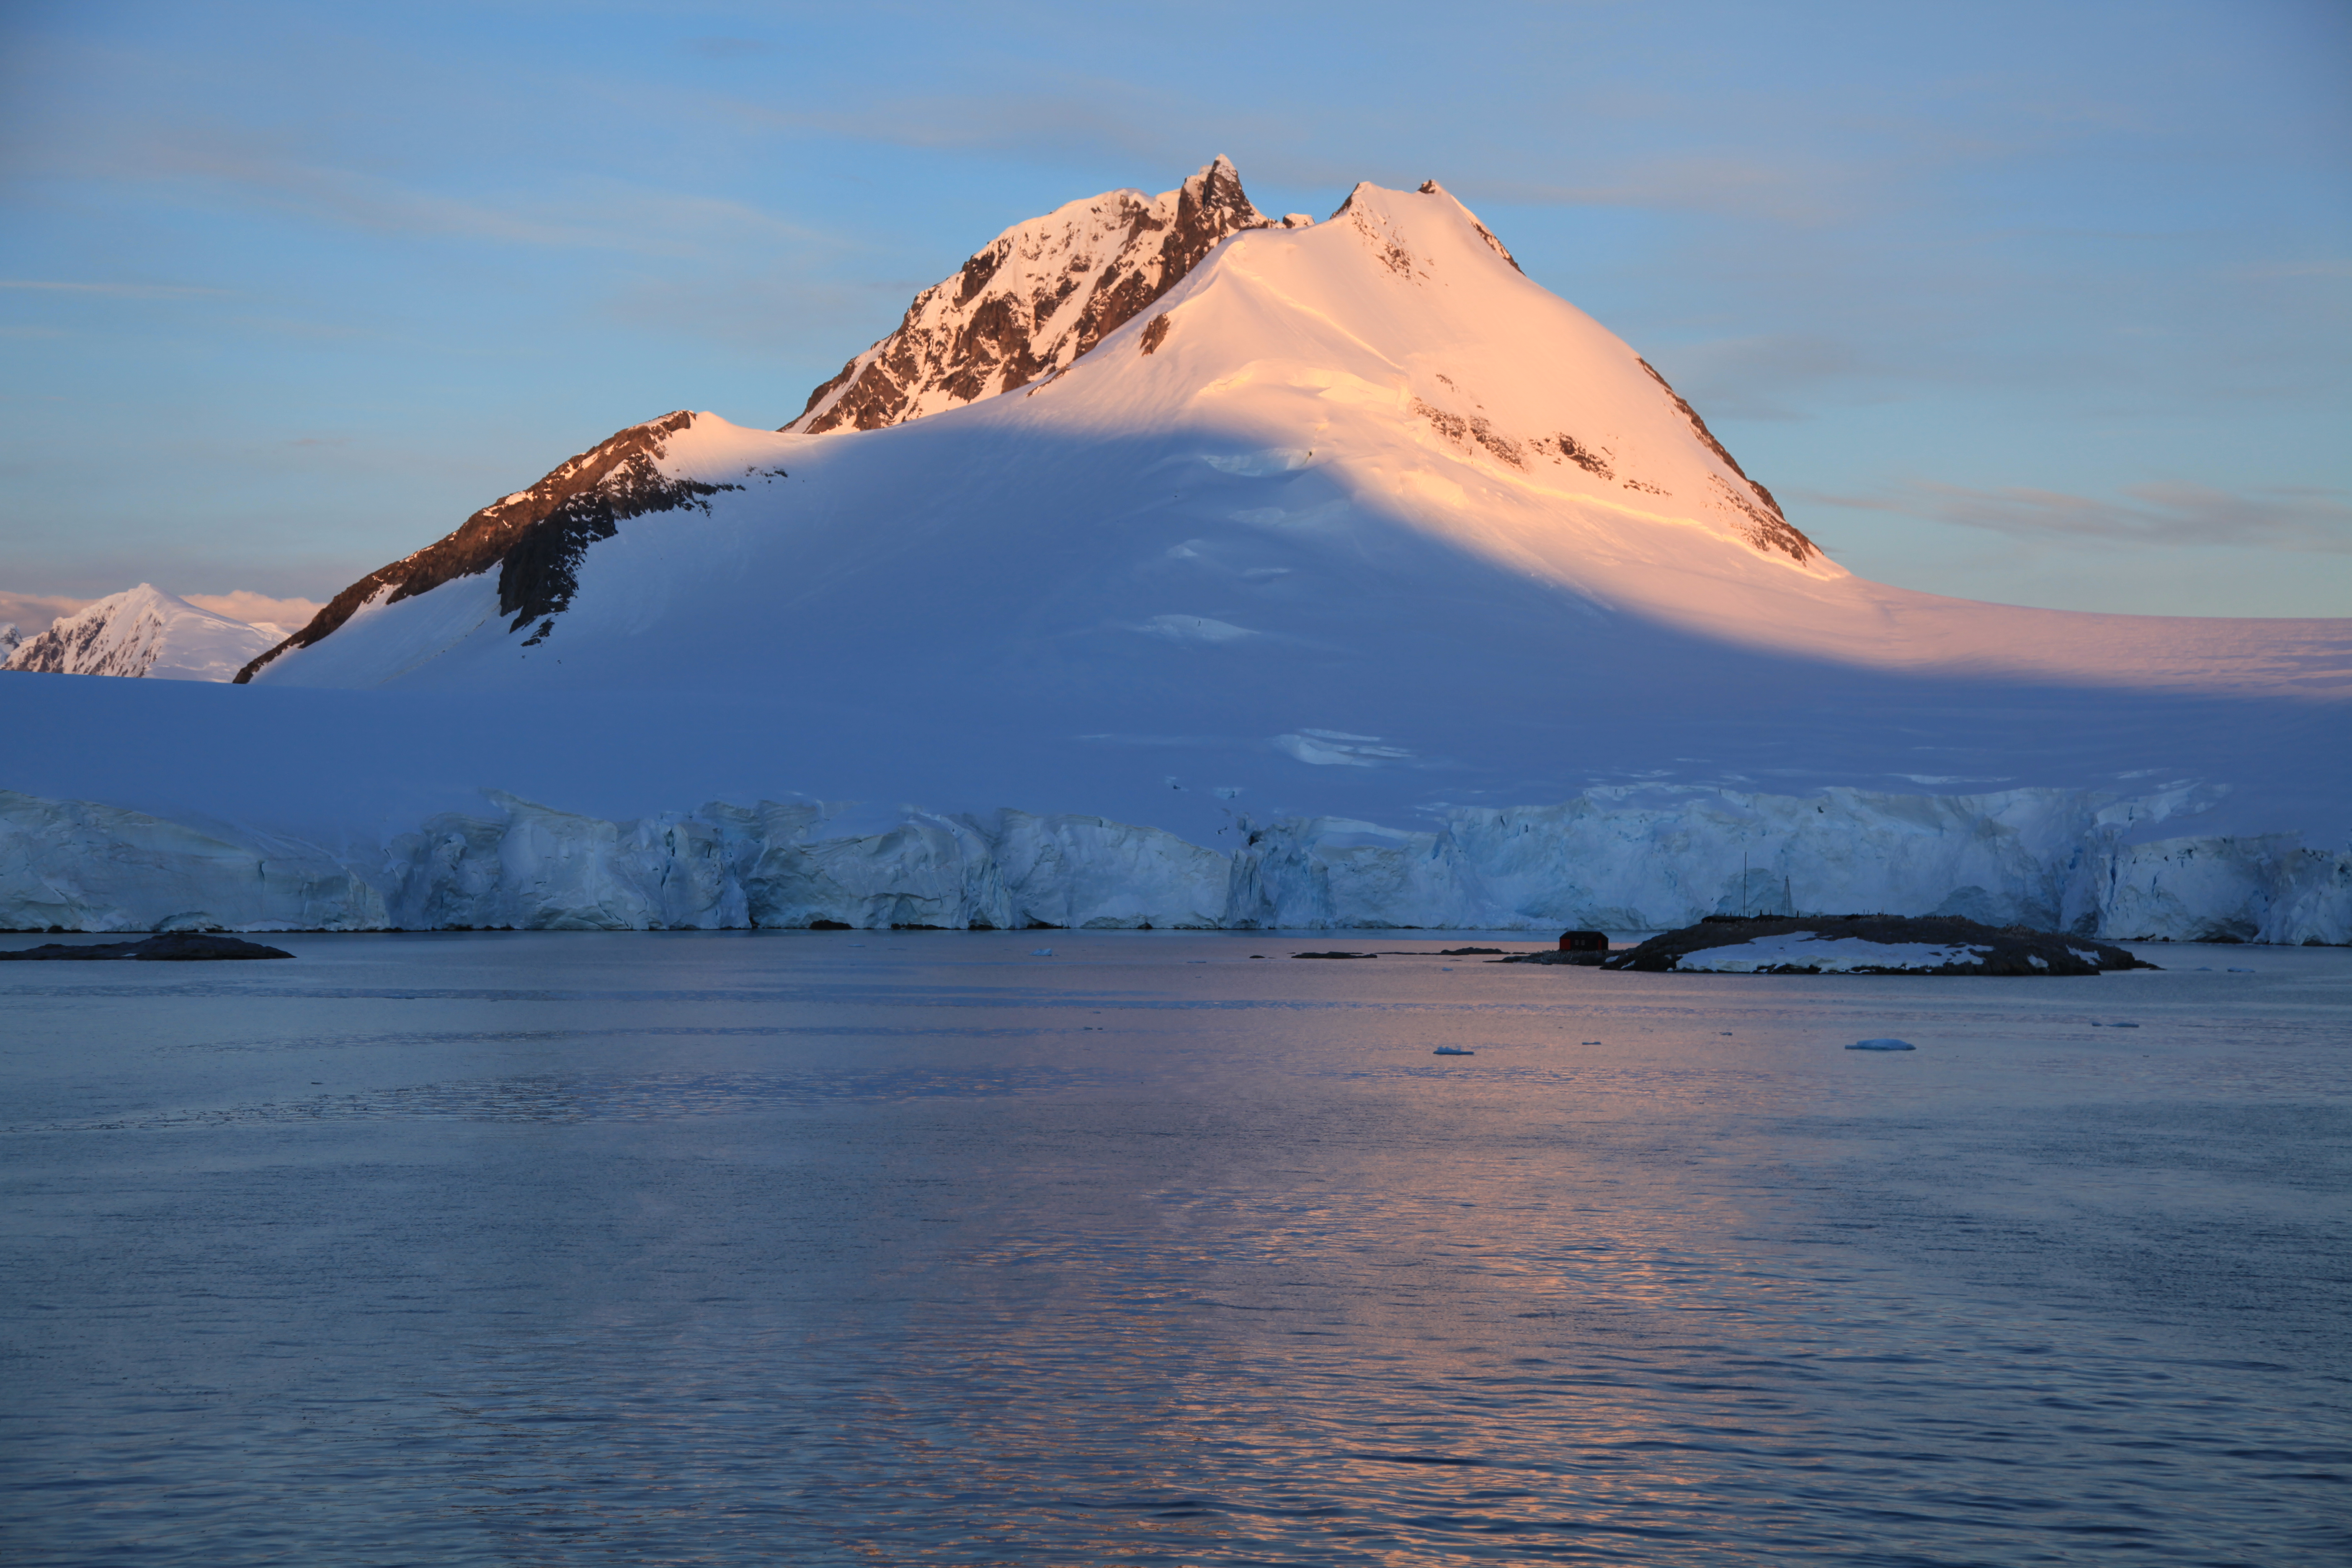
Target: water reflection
1179,1264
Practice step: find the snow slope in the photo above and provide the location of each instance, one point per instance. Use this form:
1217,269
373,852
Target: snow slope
1352,535
142,631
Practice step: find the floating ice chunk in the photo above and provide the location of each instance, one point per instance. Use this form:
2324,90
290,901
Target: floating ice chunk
2236,971
1193,629
1041,953
1326,748
1882,1045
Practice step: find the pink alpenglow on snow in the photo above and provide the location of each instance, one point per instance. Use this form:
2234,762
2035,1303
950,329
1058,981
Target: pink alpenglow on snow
1289,574
1373,421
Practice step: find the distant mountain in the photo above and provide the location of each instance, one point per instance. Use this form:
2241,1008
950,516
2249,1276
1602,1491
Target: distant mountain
142,631
10,640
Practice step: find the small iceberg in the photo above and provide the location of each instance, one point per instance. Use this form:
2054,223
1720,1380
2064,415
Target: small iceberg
1041,953
1882,1046
1452,1051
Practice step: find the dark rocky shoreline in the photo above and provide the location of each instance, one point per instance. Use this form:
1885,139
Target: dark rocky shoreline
172,947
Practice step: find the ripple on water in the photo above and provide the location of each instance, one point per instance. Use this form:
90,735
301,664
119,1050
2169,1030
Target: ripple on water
609,1097
1231,1274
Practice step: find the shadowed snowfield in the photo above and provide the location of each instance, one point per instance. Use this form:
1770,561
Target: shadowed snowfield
834,1248
1356,582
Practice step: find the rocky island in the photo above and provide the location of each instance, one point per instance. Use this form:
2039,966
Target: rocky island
1870,944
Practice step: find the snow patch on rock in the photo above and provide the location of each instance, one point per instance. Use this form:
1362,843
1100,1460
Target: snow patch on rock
1830,955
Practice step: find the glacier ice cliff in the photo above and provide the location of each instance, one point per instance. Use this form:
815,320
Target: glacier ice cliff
1608,860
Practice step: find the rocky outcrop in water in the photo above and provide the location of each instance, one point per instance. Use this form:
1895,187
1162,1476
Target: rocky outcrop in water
175,947
1871,944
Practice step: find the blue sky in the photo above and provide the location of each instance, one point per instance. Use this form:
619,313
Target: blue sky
2040,303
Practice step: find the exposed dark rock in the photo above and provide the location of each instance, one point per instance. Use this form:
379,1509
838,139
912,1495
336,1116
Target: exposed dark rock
1999,950
173,947
1335,955
1583,457
535,538
1771,530
1033,302
1557,956
1465,430
66,646
1155,332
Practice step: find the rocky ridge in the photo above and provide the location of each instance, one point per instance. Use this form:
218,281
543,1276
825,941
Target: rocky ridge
535,538
1030,303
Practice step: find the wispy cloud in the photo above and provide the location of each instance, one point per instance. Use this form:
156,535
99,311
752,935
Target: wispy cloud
245,605
120,290
728,49
32,613
2310,520
1755,377
2269,271
1785,190
590,213
1152,127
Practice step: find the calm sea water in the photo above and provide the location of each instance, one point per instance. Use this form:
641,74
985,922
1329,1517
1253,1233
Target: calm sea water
872,1248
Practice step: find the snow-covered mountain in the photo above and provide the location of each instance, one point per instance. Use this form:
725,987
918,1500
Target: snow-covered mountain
1322,445
142,631
1349,566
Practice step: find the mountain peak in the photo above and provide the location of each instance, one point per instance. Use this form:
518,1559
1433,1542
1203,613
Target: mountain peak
142,631
1028,304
